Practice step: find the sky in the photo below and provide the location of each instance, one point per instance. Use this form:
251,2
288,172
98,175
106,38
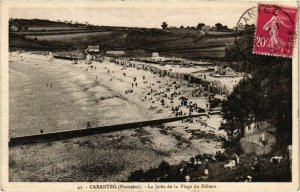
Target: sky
149,17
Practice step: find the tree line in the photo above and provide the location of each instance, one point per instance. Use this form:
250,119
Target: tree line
264,95
199,26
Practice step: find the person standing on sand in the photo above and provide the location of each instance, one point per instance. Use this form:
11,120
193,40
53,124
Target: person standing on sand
237,159
256,167
206,169
88,125
263,139
51,85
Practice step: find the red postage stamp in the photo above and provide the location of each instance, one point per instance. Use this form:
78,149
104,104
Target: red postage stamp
275,30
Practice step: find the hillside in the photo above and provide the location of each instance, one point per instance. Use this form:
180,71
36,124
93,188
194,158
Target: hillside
190,43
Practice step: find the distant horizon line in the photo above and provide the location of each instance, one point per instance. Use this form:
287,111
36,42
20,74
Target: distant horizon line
97,25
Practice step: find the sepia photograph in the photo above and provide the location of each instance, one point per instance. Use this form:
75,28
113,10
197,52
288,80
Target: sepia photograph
136,92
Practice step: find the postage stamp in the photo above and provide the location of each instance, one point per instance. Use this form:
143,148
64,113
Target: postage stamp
275,30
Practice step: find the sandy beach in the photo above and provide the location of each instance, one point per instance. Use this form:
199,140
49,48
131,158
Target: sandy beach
55,96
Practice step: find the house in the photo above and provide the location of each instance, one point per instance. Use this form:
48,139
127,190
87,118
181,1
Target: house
14,28
202,32
213,29
92,49
229,71
115,52
92,52
225,71
155,54
206,28
221,71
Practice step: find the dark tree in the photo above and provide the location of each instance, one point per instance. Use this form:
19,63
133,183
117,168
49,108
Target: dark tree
219,26
214,102
164,25
164,167
136,175
200,25
264,96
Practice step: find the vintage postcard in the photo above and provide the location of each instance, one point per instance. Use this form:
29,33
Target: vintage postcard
149,96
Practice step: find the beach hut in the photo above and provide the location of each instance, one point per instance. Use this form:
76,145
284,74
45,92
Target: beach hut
155,54
115,53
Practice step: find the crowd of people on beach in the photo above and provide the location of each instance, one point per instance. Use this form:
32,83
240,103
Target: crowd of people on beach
206,167
166,94
170,96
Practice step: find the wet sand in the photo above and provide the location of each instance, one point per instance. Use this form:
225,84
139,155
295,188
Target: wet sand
55,96
74,99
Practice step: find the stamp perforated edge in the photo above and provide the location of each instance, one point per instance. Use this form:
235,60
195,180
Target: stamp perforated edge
295,48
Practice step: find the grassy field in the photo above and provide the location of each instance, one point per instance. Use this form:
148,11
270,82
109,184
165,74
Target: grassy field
69,37
53,32
166,42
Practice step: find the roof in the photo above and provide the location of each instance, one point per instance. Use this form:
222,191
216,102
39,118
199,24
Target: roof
228,68
115,52
93,48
